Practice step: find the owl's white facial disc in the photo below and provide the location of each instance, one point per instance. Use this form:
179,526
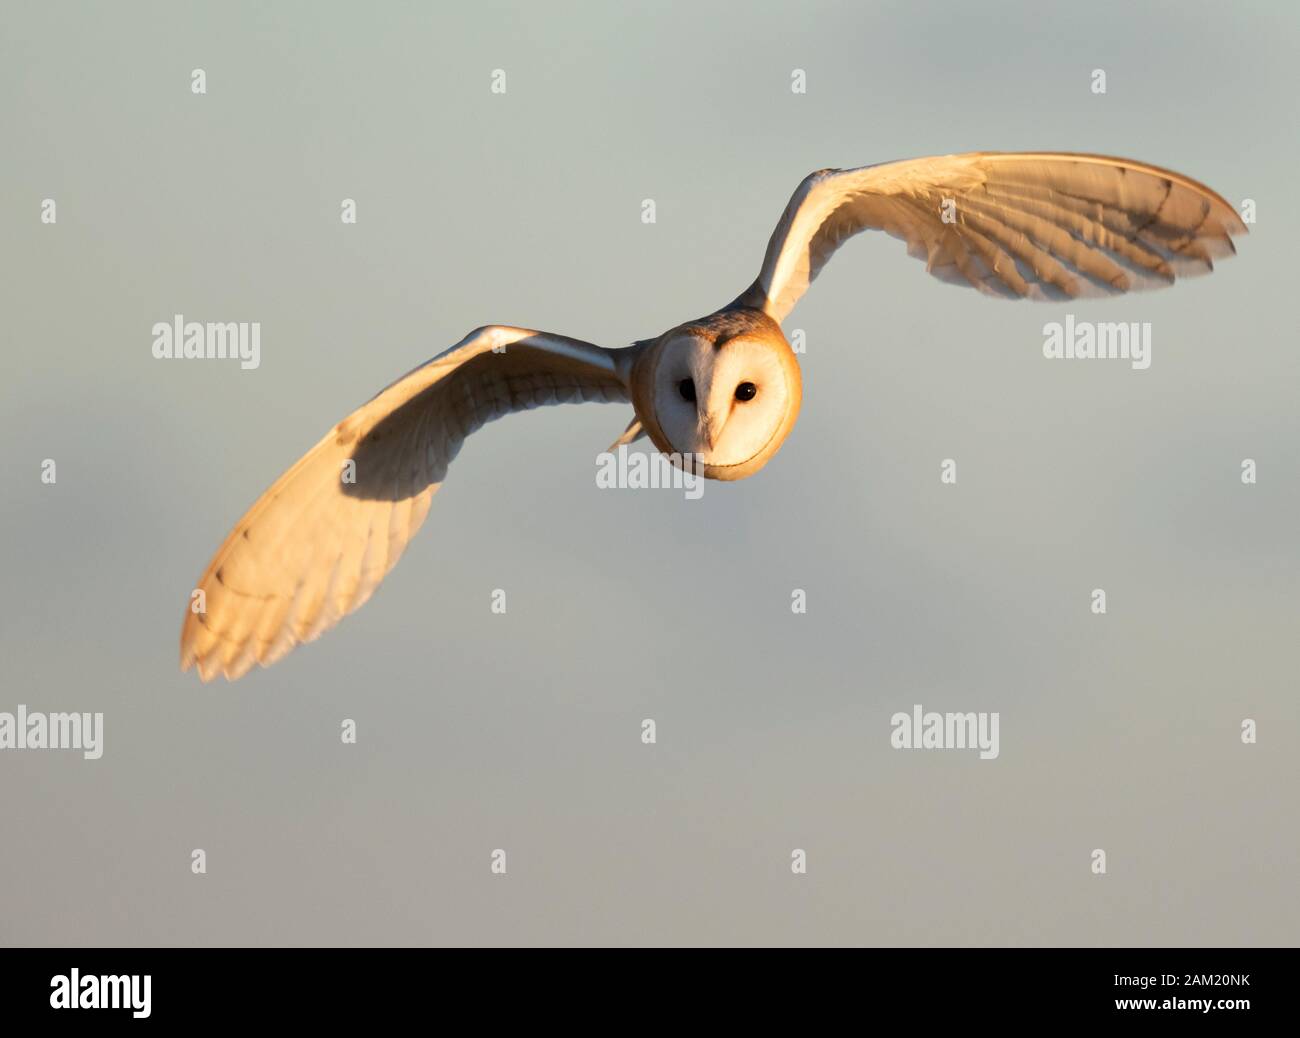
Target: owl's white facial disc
721,404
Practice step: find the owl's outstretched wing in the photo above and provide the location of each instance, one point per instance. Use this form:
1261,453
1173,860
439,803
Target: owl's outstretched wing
316,545
1039,226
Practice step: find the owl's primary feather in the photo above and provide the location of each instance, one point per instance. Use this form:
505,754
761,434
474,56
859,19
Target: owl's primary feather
315,546
1039,226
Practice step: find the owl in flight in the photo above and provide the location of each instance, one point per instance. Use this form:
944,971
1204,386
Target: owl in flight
723,390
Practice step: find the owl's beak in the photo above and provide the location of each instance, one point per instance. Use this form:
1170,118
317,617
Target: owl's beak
711,428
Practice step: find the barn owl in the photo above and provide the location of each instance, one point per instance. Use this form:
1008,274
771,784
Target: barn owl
723,390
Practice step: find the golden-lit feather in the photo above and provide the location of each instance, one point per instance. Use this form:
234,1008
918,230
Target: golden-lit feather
1032,225
314,547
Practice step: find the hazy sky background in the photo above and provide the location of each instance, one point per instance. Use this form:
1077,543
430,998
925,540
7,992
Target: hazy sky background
521,731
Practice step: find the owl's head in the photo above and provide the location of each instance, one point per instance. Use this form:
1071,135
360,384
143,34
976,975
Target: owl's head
724,390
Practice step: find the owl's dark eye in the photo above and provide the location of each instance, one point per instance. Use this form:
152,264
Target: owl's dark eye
746,391
687,388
